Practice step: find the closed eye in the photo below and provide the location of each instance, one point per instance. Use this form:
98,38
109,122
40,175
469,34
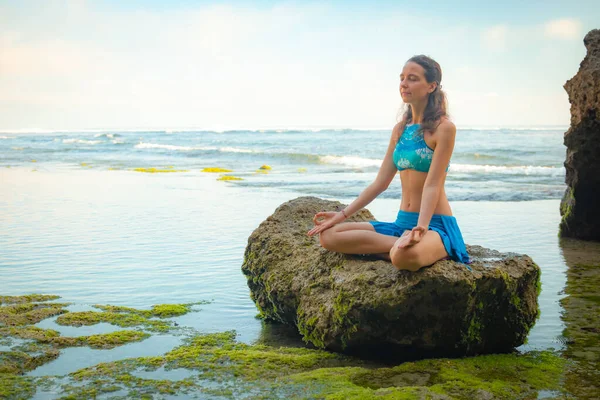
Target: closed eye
411,77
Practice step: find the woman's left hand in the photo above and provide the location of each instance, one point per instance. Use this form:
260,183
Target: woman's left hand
412,237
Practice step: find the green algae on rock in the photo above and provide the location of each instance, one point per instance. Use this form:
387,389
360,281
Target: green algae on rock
216,365
103,340
216,170
153,170
30,332
129,317
170,310
229,178
158,310
16,387
115,318
225,368
52,337
40,345
29,313
489,376
28,298
19,362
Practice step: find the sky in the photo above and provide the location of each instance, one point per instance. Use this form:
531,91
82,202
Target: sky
220,65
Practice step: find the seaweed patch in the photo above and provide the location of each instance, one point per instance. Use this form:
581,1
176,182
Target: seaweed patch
215,170
159,170
217,365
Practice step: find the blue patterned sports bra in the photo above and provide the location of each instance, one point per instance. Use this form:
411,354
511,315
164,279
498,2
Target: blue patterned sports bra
411,151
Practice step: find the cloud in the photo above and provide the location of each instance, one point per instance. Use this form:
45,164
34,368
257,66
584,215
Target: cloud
46,57
290,64
566,28
495,38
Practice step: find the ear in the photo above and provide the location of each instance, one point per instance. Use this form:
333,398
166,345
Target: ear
432,87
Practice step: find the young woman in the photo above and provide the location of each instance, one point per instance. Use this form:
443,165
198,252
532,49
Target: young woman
420,148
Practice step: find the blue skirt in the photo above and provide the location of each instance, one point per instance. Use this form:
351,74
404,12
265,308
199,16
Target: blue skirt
445,225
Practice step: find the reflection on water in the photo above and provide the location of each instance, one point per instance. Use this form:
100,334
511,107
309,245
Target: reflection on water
582,317
579,251
74,358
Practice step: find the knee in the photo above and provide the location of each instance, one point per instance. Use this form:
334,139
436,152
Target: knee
405,259
326,238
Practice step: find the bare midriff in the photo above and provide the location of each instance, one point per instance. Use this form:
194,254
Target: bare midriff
412,191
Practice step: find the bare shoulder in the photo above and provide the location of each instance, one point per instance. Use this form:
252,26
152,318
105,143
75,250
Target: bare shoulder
446,125
396,131
445,128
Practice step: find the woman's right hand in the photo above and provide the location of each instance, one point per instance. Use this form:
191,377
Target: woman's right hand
325,220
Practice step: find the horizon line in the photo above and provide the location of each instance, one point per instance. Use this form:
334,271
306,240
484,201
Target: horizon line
221,129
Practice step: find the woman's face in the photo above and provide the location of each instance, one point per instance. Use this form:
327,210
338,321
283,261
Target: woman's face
413,85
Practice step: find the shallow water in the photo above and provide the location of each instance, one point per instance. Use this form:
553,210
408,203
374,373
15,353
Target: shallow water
136,239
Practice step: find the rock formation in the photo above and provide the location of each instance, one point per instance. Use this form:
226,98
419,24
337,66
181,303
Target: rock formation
348,302
580,206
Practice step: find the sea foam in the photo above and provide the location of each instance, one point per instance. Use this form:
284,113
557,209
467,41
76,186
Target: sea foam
81,141
507,170
351,161
143,145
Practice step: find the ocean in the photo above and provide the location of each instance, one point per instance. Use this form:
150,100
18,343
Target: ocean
77,219
487,164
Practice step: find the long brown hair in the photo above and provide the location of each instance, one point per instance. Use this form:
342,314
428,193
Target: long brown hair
436,106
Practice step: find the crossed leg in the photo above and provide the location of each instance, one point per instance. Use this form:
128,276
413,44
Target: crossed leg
361,238
357,238
429,250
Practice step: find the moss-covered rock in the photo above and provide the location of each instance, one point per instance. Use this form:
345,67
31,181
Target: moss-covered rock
52,337
16,387
153,170
125,320
128,317
579,206
215,170
30,332
340,301
158,310
19,362
220,366
101,341
483,377
38,346
29,313
217,366
229,178
28,298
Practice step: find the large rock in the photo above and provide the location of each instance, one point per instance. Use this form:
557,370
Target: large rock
340,301
579,206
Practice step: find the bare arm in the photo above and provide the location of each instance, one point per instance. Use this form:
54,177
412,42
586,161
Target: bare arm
386,174
436,177
387,171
